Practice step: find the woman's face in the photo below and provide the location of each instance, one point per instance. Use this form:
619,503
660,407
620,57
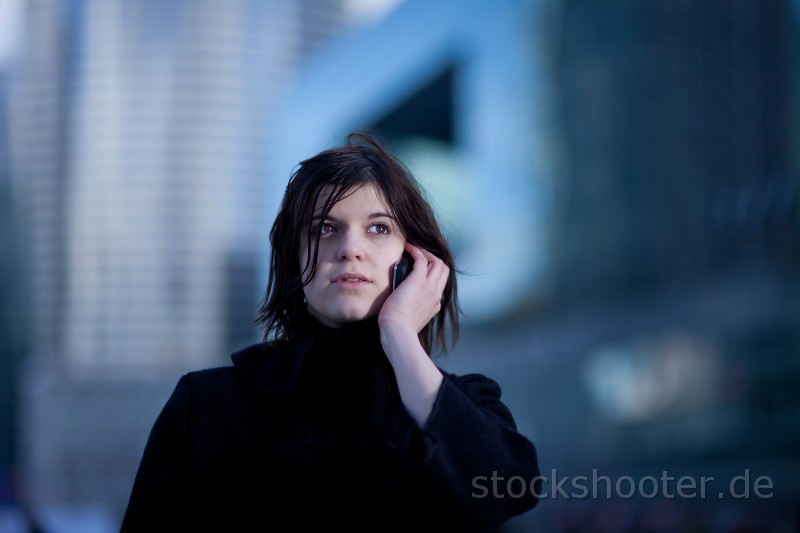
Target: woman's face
359,244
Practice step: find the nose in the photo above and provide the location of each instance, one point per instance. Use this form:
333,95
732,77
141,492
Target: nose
351,246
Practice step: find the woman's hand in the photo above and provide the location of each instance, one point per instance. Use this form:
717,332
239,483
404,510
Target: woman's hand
419,297
404,313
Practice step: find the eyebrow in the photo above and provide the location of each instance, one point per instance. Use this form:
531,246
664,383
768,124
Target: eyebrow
379,214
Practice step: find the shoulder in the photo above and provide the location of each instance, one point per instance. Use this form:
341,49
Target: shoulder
212,396
220,382
206,391
209,378
271,367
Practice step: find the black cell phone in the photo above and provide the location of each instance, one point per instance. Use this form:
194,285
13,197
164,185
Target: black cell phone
401,269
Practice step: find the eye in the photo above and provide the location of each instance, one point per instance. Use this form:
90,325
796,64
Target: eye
381,229
326,228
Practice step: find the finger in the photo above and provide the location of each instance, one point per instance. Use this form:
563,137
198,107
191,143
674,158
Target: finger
417,253
430,256
437,267
439,287
443,275
434,264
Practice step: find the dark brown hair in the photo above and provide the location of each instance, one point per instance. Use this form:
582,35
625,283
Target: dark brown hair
361,160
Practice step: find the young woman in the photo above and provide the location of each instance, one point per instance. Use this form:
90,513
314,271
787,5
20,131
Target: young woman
340,420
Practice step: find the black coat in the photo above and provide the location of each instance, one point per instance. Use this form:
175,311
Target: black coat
311,435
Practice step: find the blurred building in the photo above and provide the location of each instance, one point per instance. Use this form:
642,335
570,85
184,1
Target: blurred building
141,131
462,97
619,181
13,309
677,228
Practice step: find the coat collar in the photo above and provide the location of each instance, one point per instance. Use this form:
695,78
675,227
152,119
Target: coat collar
274,367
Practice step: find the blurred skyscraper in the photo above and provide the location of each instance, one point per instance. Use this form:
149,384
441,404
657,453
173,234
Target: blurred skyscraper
13,305
141,131
677,245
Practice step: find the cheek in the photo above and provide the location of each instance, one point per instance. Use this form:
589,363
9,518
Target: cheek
396,250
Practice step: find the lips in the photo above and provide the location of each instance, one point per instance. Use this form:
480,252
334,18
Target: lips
350,277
